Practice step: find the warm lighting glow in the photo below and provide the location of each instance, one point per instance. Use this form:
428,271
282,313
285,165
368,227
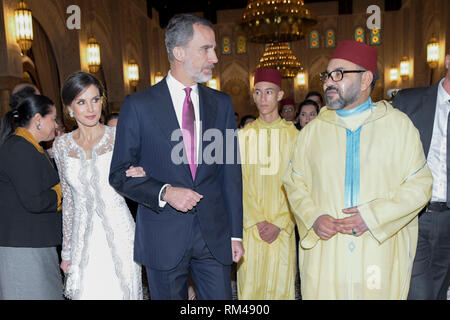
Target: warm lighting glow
24,26
133,73
213,83
94,60
405,68
393,73
433,52
280,56
276,21
158,77
301,78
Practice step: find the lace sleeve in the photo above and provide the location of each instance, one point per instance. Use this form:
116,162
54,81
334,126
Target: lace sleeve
68,204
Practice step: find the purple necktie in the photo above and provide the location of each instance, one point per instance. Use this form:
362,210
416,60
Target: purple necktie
188,124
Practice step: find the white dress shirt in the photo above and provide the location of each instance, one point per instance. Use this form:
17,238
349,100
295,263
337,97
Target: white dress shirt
178,95
437,155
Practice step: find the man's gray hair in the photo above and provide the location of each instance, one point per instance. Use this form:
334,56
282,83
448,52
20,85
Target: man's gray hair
180,31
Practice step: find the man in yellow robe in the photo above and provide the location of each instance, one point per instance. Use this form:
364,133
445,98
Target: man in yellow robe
267,271
357,180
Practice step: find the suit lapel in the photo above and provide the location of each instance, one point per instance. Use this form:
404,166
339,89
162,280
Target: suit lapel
208,108
428,114
208,112
167,120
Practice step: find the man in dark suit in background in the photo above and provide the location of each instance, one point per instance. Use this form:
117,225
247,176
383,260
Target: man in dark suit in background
21,91
189,219
428,108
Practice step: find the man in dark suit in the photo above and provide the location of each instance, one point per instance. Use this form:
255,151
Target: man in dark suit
189,219
428,108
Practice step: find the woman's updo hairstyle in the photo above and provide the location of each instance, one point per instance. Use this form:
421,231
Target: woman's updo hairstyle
78,82
23,113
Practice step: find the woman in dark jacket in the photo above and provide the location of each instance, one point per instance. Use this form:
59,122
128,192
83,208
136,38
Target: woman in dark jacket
30,198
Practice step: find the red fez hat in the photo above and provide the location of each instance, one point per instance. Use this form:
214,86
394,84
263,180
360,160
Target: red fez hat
287,101
268,75
358,53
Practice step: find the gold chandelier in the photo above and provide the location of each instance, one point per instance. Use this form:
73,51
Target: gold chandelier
279,56
267,21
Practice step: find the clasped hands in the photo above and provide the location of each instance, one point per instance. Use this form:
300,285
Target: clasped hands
326,226
268,231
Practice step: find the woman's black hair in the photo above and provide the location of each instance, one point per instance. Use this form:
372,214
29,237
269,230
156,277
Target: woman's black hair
78,82
308,102
23,113
17,97
111,116
314,93
245,118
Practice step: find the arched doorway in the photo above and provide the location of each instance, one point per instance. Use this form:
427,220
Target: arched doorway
235,82
40,67
239,92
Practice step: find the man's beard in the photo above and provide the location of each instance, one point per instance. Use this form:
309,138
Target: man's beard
342,102
199,77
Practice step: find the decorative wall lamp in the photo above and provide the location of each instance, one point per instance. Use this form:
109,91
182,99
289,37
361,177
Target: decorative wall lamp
24,26
393,74
158,77
405,68
133,73
213,83
252,81
94,59
433,52
301,78
432,55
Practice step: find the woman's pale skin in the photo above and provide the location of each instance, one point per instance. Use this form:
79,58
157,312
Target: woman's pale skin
87,110
307,114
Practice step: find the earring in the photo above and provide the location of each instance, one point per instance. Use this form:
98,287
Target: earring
39,127
71,113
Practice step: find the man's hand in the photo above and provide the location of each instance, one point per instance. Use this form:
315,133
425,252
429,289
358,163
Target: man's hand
354,224
268,231
237,250
135,172
182,199
326,227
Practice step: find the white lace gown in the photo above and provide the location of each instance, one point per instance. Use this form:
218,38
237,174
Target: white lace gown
98,229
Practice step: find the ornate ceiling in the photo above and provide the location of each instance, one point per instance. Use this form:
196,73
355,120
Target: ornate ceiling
168,8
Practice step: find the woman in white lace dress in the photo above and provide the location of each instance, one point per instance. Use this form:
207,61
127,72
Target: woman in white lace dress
98,229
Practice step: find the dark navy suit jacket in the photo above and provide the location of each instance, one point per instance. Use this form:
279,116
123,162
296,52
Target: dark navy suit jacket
143,138
420,105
